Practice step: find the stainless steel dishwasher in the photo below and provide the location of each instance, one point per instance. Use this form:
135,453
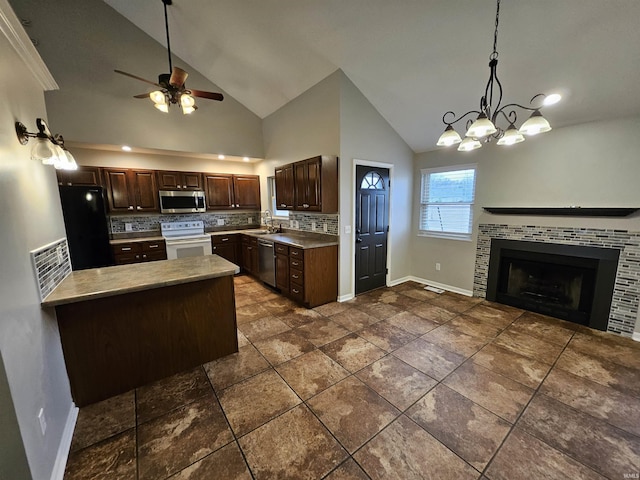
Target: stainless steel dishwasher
267,262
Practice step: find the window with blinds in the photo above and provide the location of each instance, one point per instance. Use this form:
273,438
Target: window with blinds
446,201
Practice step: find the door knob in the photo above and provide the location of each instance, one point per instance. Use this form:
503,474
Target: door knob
358,240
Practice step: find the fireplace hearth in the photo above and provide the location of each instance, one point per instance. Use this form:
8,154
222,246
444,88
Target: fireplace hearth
569,282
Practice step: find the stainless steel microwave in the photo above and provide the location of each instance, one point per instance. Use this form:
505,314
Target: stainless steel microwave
172,201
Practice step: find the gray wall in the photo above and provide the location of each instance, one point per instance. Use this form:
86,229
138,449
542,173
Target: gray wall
83,41
30,217
366,136
591,165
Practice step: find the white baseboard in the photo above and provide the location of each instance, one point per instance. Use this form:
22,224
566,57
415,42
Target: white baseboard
444,286
346,298
398,281
636,336
65,444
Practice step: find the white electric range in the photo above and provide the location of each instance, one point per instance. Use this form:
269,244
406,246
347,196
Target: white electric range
186,239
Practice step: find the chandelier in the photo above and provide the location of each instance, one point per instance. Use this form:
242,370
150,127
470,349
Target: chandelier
485,127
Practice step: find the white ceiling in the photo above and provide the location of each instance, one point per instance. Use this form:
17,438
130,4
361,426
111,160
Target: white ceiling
413,59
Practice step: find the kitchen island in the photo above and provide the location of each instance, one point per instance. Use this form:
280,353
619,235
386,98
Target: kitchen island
122,327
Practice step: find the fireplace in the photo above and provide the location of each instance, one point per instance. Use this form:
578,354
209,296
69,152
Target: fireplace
569,282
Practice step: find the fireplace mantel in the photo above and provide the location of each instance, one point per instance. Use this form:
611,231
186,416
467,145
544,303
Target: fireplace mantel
565,211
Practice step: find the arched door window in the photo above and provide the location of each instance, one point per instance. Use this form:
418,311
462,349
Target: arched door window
372,181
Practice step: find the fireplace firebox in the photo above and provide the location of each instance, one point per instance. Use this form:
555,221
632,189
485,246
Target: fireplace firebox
569,282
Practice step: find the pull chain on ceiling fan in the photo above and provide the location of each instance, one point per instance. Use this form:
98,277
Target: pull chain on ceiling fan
171,86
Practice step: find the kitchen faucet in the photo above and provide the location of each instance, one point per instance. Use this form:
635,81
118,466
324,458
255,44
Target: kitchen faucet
268,217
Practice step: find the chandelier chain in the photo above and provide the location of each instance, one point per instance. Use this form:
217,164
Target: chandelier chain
494,54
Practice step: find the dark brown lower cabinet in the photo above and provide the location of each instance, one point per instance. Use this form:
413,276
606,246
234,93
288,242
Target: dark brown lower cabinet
308,276
249,247
114,344
226,246
139,251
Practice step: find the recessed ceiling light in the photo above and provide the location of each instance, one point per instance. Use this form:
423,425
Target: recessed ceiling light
552,99
126,148
246,159
220,157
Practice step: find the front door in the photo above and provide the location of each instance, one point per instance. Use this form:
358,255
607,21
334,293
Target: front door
371,228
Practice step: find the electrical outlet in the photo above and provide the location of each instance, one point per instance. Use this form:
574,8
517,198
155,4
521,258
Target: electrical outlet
59,255
324,227
313,226
128,227
43,421
220,222
296,224
290,223
438,267
250,220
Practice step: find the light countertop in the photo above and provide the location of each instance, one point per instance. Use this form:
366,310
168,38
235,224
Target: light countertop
110,281
295,239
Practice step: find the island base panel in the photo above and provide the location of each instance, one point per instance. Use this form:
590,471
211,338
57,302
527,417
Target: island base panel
112,345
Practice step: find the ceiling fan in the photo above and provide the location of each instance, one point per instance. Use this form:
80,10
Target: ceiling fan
172,87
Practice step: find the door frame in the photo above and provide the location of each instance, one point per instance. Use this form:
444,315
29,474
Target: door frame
368,163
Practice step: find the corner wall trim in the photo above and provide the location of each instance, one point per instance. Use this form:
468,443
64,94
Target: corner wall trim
65,444
636,336
345,298
11,27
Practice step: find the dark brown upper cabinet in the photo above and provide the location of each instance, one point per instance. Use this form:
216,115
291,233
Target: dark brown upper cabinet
85,176
227,192
179,180
285,188
313,184
130,190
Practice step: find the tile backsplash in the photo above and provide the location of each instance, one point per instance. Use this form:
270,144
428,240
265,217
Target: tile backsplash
51,264
151,223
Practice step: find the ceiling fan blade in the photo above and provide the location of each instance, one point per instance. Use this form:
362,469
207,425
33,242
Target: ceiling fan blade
136,77
142,95
209,95
178,77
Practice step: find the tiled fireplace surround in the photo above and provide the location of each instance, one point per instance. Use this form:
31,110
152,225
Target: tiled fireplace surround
624,306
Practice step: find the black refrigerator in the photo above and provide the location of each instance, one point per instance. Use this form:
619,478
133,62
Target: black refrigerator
85,220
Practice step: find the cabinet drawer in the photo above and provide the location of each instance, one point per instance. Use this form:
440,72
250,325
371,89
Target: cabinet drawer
297,293
246,239
157,246
282,249
127,258
222,239
296,253
296,263
126,248
296,276
154,255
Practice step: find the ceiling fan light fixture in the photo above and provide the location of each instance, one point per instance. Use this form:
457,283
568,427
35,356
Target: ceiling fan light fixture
187,100
189,110
535,125
158,97
163,107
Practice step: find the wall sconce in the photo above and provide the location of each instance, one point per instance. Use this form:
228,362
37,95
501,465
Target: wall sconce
48,148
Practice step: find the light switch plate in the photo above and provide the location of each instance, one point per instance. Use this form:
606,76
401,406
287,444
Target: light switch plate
313,226
324,227
220,222
250,220
347,229
128,227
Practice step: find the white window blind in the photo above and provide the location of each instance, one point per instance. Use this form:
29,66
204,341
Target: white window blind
271,190
446,201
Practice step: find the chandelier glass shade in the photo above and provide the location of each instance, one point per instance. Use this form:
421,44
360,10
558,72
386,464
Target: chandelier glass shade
482,125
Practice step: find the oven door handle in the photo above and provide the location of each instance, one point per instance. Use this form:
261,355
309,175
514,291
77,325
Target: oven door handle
176,243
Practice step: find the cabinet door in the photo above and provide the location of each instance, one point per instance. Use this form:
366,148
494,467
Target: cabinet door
307,184
87,176
250,258
219,191
145,190
226,251
247,191
285,187
282,272
119,190
169,180
191,181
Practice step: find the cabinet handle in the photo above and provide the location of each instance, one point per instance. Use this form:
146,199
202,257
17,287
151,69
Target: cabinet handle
225,239
137,257
139,207
305,205
125,249
184,186
294,276
144,256
283,204
179,186
295,264
294,290
295,254
238,205
154,246
130,207
215,248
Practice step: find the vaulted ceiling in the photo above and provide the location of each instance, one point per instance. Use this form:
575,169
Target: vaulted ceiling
413,59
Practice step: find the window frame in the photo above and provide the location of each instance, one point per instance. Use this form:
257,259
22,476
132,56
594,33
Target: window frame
271,191
424,176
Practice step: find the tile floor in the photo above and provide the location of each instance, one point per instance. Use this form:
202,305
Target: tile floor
399,383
